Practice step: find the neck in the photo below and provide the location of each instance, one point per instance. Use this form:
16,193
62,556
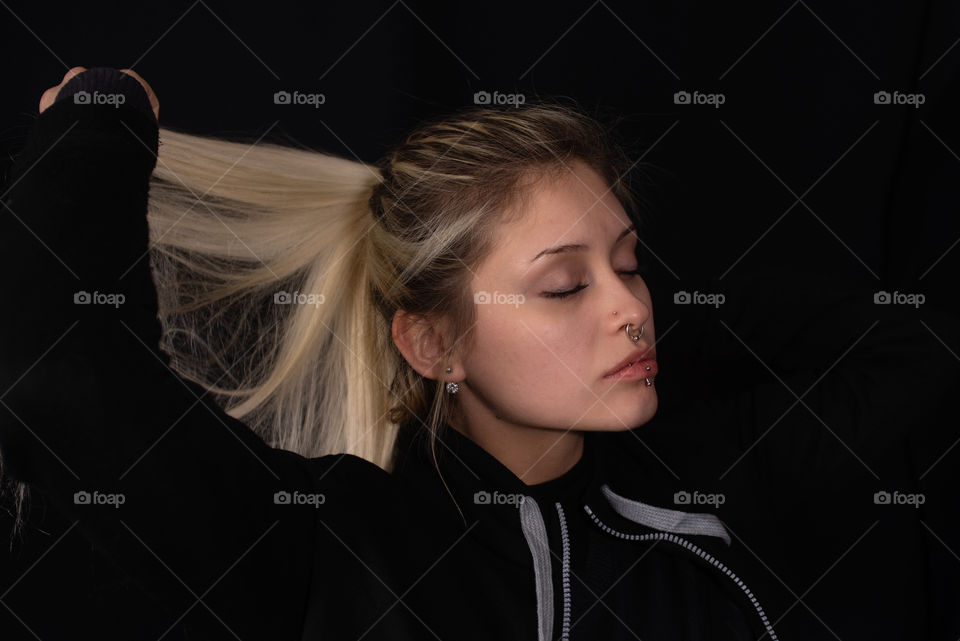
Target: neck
535,455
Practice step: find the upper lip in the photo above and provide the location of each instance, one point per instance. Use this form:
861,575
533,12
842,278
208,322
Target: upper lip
640,354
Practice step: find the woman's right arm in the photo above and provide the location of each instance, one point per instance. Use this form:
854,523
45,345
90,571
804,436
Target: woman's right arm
181,495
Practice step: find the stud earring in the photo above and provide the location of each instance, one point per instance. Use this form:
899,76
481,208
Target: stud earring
452,387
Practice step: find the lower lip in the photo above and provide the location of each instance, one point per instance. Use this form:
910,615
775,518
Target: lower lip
637,370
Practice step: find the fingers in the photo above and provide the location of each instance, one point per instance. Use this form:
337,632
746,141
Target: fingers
154,101
51,94
47,98
71,73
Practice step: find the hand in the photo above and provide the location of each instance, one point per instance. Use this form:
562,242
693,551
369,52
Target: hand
50,95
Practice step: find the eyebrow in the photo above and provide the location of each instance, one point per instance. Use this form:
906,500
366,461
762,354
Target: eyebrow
562,249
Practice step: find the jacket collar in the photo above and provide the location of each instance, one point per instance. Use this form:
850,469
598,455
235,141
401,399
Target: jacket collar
621,486
616,481
637,494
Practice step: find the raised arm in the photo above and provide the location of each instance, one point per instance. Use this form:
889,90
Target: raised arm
158,477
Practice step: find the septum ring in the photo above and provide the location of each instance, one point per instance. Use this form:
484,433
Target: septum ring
633,337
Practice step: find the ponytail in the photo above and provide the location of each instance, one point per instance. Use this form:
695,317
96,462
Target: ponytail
260,254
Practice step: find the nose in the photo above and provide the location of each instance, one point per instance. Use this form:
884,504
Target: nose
630,308
638,314
638,324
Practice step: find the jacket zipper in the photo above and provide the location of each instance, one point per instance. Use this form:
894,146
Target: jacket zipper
696,550
565,575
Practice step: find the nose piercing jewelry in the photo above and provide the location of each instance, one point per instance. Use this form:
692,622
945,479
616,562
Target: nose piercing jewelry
635,338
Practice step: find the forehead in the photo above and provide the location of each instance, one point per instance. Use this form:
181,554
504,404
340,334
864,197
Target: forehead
574,206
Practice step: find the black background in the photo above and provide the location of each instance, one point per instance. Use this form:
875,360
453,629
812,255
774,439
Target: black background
798,180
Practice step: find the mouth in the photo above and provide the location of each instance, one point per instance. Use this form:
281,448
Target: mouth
641,363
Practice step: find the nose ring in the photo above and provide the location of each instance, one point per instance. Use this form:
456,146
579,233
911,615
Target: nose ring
633,337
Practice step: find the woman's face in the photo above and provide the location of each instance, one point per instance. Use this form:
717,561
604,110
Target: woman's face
540,360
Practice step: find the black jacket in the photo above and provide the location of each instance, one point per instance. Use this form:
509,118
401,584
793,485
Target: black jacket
643,538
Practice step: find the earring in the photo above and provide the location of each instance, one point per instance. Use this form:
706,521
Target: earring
452,387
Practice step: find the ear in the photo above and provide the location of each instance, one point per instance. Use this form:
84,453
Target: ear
422,345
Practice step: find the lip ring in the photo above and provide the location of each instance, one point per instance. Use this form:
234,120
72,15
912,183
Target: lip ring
647,352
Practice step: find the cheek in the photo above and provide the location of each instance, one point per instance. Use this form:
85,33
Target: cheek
542,356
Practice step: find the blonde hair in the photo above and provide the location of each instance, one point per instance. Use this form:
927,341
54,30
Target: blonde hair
236,229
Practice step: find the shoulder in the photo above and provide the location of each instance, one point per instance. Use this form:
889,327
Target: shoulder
350,481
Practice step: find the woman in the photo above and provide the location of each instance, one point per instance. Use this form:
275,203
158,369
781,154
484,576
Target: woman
438,362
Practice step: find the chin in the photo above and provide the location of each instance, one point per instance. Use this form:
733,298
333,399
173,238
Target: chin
627,418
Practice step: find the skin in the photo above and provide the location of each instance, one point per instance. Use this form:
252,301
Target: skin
534,382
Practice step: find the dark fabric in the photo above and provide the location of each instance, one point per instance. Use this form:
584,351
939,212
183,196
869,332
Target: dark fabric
92,407
620,589
106,86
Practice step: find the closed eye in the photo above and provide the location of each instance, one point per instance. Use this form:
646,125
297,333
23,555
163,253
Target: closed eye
582,286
